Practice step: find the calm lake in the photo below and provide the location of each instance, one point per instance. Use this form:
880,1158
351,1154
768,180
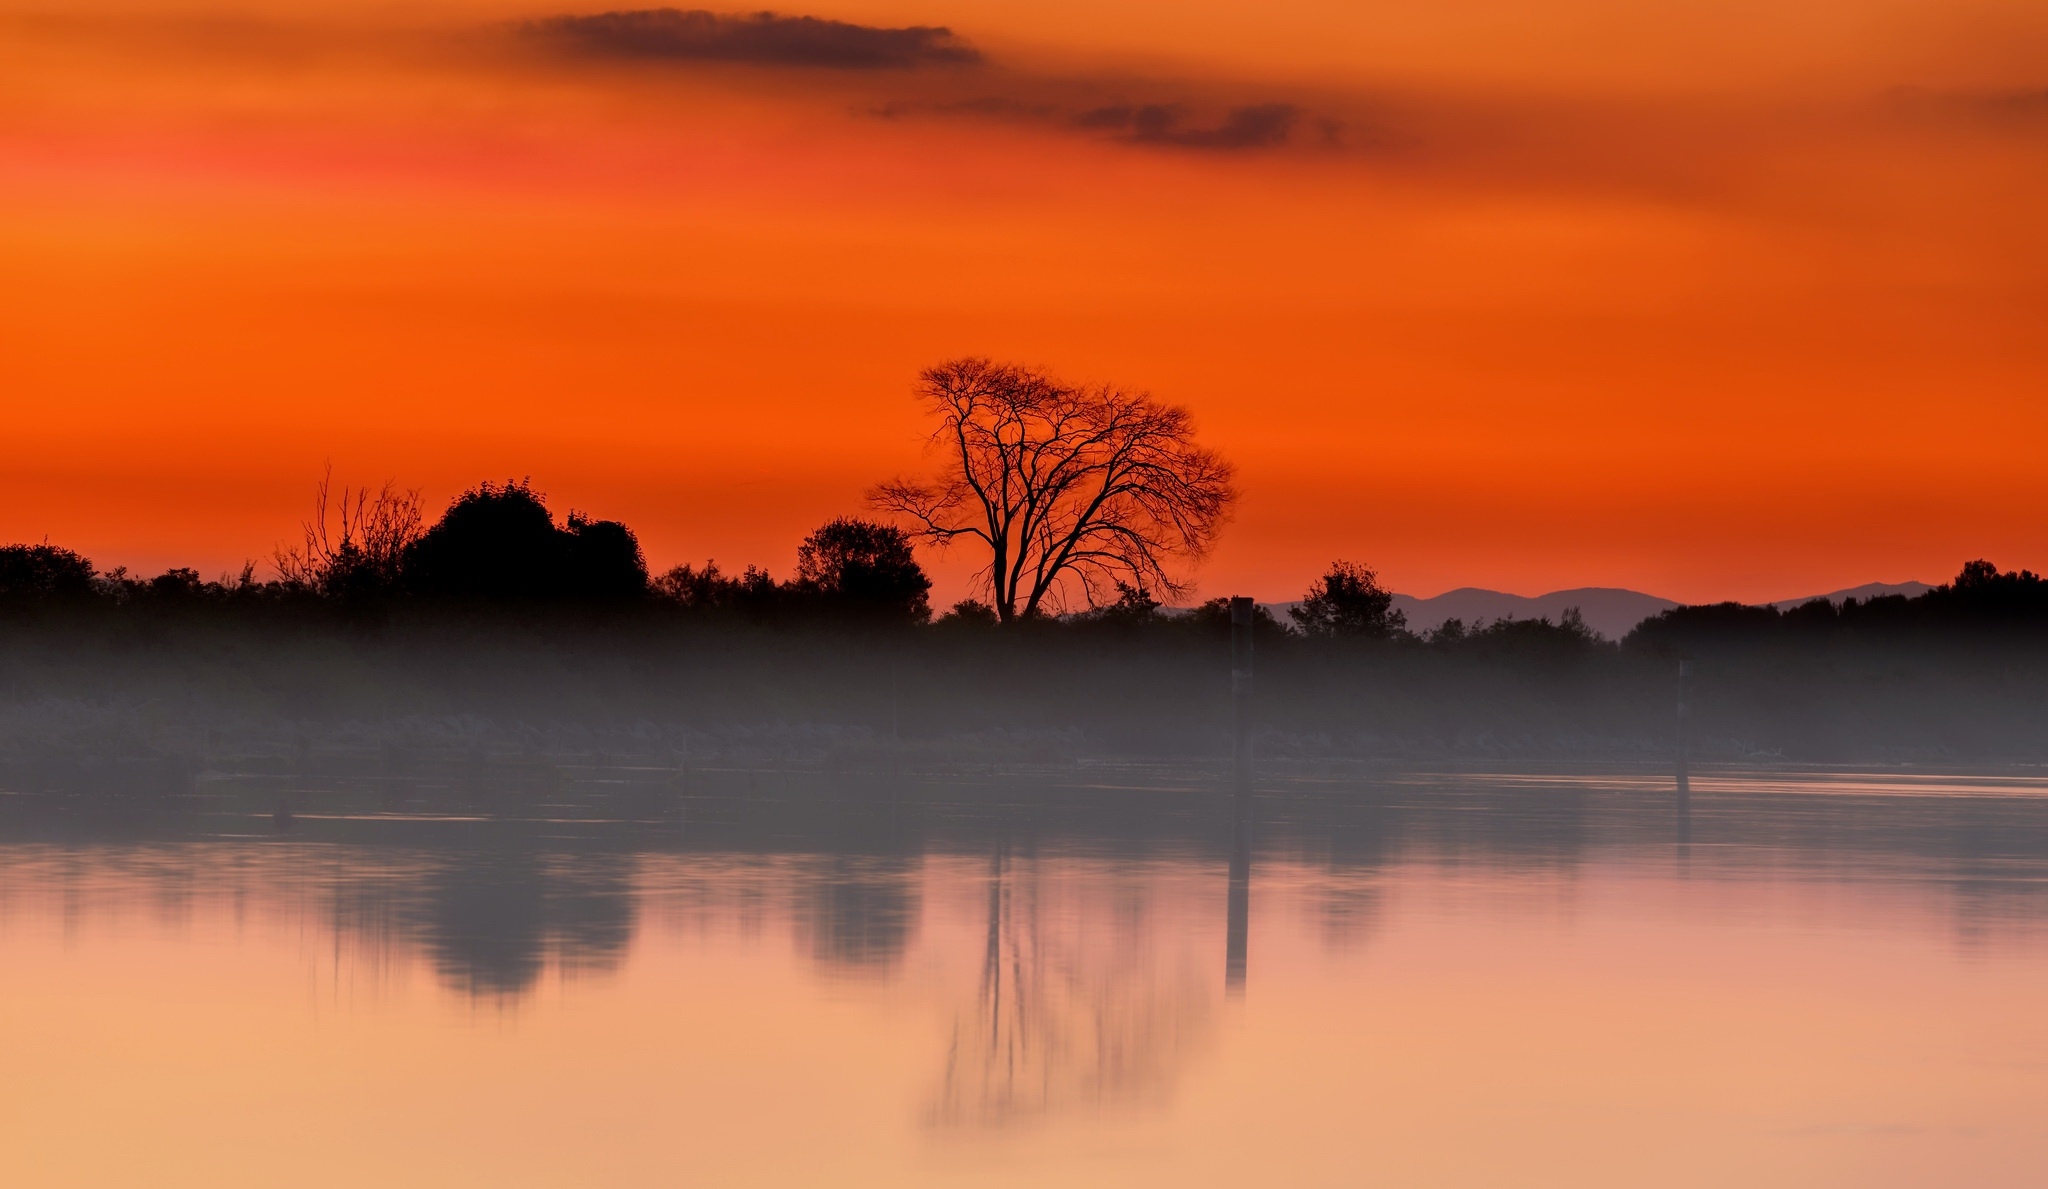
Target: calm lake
1104,976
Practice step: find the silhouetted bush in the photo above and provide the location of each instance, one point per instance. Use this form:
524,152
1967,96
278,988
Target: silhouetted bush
1134,610
603,560
860,570
363,559
1212,620
1535,640
969,614
44,573
1980,594
1348,601
500,543
182,588
2014,605
710,591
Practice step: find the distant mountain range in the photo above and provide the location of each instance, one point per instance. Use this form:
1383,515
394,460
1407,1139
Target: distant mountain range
1868,590
1611,611
1606,609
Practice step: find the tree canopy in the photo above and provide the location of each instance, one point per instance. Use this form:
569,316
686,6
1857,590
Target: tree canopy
43,572
499,542
1067,491
864,570
1348,600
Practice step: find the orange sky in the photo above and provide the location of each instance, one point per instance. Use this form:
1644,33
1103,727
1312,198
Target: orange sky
1741,300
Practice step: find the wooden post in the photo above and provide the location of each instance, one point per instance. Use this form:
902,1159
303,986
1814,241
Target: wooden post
1684,747
1238,901
1241,687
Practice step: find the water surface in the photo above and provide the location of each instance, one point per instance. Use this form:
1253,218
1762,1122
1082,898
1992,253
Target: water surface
1101,977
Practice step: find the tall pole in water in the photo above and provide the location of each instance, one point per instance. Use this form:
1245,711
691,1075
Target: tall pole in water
1241,687
1684,748
1238,901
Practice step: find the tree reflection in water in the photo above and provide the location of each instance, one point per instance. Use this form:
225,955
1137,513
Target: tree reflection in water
494,921
1079,1005
860,912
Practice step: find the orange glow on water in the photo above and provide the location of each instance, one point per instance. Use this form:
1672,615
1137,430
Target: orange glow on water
1457,1023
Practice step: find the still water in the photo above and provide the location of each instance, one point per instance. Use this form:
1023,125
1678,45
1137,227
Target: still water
1102,978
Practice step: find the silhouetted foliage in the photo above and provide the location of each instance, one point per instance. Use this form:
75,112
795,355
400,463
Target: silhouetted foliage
1070,490
969,613
182,588
1212,619
1536,640
1981,594
1979,599
1134,608
179,583
709,590
1961,670
1682,630
1348,601
44,573
603,560
365,556
492,542
499,543
862,570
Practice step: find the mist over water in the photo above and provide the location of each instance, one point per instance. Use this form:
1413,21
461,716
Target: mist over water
1030,973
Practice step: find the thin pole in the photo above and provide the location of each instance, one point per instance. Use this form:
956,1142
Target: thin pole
1684,746
1237,905
1238,899
1241,686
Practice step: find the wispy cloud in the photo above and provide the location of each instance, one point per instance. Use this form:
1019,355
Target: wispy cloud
1691,150
1258,126
760,38
2010,109
1177,124
1115,109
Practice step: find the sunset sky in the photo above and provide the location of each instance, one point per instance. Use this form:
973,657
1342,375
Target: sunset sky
1743,300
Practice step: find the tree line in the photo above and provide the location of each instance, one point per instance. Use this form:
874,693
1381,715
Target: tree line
498,544
1082,504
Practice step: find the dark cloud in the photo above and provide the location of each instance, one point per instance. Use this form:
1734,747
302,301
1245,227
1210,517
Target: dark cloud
1259,126
987,106
852,60
2017,109
761,38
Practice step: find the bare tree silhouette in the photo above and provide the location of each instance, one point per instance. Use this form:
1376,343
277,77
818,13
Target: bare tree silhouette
368,551
1070,489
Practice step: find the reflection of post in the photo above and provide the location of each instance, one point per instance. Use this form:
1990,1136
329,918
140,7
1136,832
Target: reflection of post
992,959
1241,684
1684,750
1239,908
1240,900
